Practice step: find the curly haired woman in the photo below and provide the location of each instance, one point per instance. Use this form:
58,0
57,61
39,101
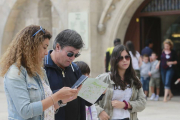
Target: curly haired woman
26,86
124,96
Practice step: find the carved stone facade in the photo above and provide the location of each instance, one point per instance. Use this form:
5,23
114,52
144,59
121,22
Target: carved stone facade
108,19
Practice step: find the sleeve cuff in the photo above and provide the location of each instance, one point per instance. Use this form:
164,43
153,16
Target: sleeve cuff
37,108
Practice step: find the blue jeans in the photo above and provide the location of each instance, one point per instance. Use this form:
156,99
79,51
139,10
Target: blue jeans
166,77
145,83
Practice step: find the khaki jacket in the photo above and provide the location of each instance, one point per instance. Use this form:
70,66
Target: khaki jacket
137,100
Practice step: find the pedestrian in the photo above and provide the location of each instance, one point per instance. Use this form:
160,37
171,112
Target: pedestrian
155,77
168,60
124,96
148,49
27,89
91,112
62,71
135,56
144,70
109,51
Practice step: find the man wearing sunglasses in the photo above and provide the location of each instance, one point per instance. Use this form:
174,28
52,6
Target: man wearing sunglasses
61,71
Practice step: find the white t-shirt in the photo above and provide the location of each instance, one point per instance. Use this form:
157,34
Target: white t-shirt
135,60
93,113
121,95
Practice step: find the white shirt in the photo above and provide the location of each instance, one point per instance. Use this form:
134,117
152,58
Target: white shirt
135,60
121,95
93,112
48,113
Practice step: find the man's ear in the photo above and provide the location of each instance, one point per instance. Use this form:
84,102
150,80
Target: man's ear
58,47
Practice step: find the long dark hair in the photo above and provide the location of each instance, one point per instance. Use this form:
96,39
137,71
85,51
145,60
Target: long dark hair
129,74
131,48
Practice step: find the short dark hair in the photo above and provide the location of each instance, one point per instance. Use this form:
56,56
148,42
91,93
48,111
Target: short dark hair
145,55
83,67
148,41
154,53
117,41
68,38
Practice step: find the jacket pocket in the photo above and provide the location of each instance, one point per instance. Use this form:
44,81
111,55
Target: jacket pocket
33,92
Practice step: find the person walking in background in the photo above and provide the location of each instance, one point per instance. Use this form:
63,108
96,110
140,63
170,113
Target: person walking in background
168,60
91,112
155,77
109,51
135,56
144,70
148,49
124,96
27,89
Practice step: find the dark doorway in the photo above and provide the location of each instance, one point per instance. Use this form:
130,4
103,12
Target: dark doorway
151,20
150,28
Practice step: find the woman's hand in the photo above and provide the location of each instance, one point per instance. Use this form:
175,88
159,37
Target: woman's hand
118,104
104,116
169,63
56,106
66,94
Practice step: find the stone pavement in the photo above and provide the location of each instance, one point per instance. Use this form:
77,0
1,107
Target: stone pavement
155,110
159,110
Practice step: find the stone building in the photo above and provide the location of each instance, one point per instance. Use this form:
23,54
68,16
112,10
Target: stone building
98,21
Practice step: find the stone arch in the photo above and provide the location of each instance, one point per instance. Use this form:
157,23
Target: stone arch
117,25
19,13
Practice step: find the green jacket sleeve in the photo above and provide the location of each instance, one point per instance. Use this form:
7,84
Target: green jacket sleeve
139,104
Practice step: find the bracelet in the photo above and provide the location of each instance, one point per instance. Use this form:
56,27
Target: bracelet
126,105
52,100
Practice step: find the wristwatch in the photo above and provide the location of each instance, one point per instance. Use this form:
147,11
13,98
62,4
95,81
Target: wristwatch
61,104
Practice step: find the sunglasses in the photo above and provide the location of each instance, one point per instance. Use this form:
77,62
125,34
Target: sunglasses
41,29
120,58
71,54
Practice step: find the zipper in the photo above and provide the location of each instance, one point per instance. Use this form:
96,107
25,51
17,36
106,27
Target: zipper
63,73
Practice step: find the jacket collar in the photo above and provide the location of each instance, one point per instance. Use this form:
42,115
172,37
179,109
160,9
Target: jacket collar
48,61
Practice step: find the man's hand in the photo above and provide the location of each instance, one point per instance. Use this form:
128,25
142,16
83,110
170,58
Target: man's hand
104,116
118,104
74,96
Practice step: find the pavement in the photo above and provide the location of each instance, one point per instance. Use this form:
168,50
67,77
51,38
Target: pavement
155,110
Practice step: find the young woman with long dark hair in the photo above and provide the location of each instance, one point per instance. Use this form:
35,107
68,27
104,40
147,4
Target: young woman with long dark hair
124,96
135,56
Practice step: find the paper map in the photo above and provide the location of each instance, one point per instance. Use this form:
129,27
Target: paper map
92,89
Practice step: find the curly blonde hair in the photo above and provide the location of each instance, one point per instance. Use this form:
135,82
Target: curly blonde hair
169,42
23,51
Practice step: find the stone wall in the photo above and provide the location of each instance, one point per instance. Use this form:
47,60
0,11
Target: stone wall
112,16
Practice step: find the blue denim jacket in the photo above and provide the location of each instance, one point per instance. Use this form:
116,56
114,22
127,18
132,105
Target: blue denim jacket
24,94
